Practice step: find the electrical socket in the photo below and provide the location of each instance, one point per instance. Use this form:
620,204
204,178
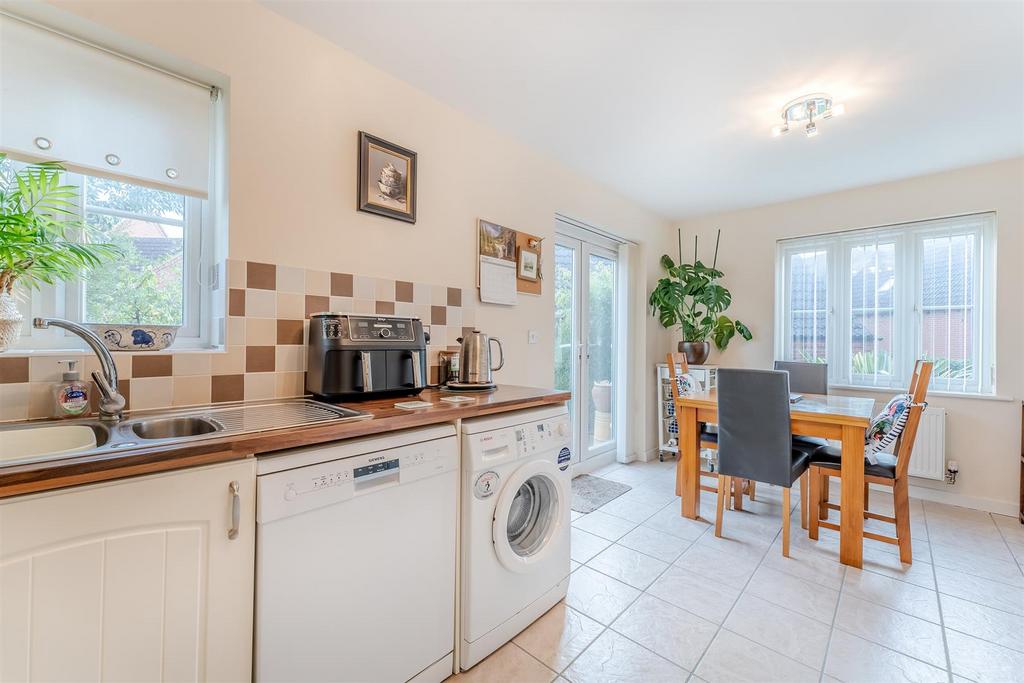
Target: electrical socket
531,336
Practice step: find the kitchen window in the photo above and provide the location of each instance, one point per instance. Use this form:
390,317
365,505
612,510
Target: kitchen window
146,171
870,302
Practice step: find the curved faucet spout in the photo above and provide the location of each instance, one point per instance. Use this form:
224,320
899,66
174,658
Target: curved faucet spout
111,403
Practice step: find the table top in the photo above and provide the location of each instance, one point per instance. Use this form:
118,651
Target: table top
853,410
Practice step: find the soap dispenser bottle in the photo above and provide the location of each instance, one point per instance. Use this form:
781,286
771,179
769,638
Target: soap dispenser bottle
71,396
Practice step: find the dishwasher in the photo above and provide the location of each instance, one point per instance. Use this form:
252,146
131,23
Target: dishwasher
355,559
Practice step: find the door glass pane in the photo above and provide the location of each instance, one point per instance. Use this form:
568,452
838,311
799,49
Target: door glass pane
564,316
600,336
872,290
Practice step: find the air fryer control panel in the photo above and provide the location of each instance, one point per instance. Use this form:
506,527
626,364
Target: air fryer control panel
372,329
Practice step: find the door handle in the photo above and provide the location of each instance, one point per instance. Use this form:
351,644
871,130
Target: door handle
236,510
364,360
417,371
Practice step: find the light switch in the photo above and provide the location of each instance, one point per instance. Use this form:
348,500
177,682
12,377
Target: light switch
531,336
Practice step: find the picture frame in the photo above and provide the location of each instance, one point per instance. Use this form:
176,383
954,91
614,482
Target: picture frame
386,179
528,267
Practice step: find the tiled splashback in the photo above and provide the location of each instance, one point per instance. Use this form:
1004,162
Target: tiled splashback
262,322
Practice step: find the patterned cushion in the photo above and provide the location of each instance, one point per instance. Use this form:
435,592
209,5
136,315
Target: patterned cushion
887,426
688,384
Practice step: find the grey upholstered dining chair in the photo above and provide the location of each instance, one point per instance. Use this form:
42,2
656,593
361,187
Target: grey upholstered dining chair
806,378
754,438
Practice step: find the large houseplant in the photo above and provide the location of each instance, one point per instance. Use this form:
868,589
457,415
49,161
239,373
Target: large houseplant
42,240
691,298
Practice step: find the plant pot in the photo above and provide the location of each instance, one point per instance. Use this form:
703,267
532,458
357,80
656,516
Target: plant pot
602,394
135,337
10,321
696,352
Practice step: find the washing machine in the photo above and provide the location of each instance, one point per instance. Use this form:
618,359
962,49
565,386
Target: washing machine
515,524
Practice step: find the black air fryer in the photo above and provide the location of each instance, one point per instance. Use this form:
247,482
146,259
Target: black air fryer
359,357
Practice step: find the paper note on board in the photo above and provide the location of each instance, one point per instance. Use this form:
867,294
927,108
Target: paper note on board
497,281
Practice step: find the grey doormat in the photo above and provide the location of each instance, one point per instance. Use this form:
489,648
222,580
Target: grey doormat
590,492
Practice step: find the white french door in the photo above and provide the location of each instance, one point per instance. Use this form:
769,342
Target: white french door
586,325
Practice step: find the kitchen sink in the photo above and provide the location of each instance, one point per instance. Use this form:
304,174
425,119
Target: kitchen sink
50,440
53,440
174,427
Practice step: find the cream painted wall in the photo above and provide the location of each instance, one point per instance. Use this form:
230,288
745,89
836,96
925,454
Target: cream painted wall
983,435
296,104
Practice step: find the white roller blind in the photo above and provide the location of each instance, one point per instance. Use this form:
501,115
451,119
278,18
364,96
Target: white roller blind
89,104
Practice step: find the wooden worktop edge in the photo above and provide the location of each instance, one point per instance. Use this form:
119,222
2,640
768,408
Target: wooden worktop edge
44,476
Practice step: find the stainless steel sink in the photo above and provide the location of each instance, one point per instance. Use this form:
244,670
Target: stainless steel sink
57,439
174,427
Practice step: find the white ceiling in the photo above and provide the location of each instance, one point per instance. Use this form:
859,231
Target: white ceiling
671,104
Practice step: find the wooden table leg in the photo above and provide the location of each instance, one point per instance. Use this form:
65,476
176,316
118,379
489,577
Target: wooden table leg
737,491
688,464
851,535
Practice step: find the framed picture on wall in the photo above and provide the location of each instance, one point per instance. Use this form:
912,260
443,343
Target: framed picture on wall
387,179
529,264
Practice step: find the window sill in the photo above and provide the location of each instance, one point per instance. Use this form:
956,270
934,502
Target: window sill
890,391
79,350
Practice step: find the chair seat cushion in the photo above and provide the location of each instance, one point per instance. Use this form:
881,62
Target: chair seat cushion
801,461
830,456
814,441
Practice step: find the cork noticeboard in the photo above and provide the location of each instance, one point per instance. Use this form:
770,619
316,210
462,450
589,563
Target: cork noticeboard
523,285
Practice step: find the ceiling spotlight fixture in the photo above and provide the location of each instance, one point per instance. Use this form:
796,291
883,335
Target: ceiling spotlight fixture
805,111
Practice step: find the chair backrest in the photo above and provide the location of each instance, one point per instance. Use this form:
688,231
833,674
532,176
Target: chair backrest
919,392
805,378
754,438
674,359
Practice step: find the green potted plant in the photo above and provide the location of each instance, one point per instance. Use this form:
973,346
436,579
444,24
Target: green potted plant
691,298
42,240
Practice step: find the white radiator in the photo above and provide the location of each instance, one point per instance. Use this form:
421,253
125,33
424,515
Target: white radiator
928,460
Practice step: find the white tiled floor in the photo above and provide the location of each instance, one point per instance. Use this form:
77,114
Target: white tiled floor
659,598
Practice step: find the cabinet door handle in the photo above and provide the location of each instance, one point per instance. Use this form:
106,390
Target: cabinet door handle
236,510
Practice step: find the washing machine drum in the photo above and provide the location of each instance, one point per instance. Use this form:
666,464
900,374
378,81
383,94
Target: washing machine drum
529,515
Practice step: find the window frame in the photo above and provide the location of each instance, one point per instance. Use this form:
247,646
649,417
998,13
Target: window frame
908,307
67,299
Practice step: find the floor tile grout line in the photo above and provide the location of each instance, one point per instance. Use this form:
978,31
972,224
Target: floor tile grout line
1020,566
938,599
528,654
721,626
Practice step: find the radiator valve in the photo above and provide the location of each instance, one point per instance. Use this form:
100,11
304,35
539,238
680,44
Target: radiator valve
952,469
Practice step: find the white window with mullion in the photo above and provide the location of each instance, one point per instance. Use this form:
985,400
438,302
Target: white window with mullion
954,302
806,304
922,290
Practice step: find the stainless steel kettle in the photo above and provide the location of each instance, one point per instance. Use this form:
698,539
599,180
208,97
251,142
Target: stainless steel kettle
475,358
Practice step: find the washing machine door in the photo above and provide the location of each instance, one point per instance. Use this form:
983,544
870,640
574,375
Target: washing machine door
531,510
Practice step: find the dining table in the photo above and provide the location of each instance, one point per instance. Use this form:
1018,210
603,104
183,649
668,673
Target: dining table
840,418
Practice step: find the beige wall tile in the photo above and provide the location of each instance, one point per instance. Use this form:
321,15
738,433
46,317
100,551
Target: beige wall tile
235,332
384,289
292,280
236,273
291,358
190,391
152,392
229,362
363,287
318,282
341,304
50,369
14,401
260,303
259,385
291,306
421,294
288,384
191,364
260,331
364,306
40,400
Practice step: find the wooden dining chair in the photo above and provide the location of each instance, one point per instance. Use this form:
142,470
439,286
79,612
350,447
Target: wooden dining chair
890,471
707,439
755,438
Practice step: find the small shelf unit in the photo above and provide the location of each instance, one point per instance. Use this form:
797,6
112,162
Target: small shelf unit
668,432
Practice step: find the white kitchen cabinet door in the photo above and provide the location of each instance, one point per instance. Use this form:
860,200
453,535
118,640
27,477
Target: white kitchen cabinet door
133,580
